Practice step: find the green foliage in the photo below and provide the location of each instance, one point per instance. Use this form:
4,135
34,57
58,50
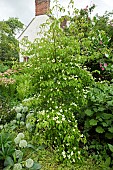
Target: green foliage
59,130
65,103
6,145
24,86
6,115
99,117
13,149
62,66
57,76
3,67
9,50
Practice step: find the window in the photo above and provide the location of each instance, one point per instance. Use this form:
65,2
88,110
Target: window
26,58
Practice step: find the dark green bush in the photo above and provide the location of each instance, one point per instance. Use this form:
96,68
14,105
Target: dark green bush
98,119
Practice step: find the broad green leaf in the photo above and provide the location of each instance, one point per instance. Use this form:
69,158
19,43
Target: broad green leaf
41,147
110,129
104,124
7,168
106,116
108,161
110,147
110,103
93,122
109,135
31,146
36,166
101,109
88,112
8,161
95,109
99,129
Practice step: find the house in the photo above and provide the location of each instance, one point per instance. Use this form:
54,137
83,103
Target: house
30,32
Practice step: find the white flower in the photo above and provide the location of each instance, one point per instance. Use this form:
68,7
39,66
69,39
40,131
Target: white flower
106,55
71,153
74,148
47,116
79,152
29,115
17,166
22,123
74,104
23,143
56,107
93,38
53,60
42,112
25,109
73,160
67,144
18,153
64,154
82,136
20,135
19,115
63,118
6,125
56,117
73,130
18,109
28,125
61,110
13,121
69,156
29,163
1,126
75,125
57,121
17,140
58,113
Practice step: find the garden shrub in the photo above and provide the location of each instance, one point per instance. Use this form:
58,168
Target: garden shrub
6,115
3,67
98,58
59,130
58,84
24,86
98,118
61,85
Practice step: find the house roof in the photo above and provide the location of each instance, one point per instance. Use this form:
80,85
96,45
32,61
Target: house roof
33,28
26,28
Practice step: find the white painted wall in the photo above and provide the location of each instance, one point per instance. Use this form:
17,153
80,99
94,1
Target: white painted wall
32,30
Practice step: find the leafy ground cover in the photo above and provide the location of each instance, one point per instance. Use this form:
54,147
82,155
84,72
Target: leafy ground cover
56,110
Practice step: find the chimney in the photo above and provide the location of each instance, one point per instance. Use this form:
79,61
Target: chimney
41,7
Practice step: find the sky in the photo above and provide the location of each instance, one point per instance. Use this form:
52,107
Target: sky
25,9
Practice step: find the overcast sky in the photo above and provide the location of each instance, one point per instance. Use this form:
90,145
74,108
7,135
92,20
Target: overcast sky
25,9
